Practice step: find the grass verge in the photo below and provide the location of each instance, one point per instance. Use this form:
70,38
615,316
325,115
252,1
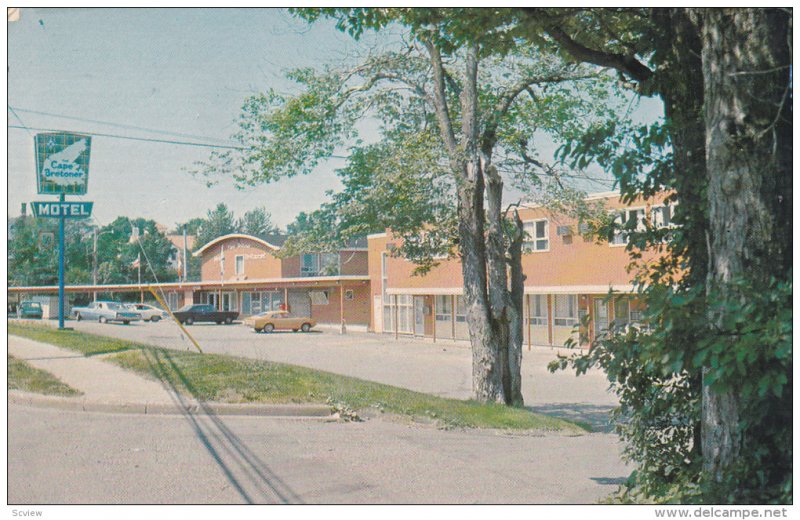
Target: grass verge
22,376
219,378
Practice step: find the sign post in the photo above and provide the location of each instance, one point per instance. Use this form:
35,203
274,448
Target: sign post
62,167
61,221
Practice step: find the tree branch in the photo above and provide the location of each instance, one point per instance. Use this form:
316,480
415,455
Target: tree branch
440,102
626,64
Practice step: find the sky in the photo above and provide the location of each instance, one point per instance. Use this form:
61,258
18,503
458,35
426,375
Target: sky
170,74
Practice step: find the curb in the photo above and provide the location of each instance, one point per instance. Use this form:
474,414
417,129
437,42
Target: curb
192,407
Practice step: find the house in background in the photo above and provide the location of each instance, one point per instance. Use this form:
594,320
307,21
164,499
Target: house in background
179,247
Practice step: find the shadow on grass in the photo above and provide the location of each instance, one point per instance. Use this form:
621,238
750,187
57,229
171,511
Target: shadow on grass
250,476
597,417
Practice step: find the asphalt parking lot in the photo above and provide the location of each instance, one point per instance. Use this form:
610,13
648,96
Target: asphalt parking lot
442,368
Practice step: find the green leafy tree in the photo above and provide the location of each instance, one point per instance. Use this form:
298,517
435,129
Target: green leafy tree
118,249
218,222
482,102
258,223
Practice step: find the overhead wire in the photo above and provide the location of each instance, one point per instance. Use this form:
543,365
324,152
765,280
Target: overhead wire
131,138
110,123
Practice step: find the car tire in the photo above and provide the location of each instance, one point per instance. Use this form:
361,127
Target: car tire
306,327
228,321
258,330
269,327
103,319
78,317
188,321
126,322
218,323
155,319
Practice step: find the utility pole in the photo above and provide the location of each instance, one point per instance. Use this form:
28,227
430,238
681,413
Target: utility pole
185,266
94,265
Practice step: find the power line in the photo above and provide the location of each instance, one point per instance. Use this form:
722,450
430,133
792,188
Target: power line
129,138
20,120
109,123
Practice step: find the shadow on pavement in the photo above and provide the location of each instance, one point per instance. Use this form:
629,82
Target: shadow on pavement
596,416
248,474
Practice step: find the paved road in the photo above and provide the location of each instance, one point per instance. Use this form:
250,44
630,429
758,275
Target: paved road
441,368
63,457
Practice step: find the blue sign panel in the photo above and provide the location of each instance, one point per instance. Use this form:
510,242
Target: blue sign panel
62,163
62,209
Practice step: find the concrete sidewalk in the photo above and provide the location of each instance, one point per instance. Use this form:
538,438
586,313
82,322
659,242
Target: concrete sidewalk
109,388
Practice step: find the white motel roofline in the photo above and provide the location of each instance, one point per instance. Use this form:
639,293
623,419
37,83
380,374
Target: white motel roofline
553,289
188,286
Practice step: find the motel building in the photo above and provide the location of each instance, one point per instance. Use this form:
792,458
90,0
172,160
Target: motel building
567,277
364,287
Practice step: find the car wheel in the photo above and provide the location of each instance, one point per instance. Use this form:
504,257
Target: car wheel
219,323
257,329
189,321
155,319
306,327
228,320
269,327
78,317
103,319
126,322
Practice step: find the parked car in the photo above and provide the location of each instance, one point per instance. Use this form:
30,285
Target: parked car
105,311
201,312
29,310
148,312
272,320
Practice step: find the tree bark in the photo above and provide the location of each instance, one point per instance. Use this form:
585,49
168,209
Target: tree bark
516,336
746,57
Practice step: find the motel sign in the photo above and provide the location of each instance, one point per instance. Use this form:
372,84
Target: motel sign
62,209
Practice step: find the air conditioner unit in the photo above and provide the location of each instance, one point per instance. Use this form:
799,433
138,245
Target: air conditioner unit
564,231
584,228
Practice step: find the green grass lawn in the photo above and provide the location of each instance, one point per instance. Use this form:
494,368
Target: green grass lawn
219,378
22,376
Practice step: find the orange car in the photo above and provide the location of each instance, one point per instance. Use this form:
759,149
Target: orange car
271,320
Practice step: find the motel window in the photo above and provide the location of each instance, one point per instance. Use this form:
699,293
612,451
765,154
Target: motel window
405,320
444,308
626,221
318,297
461,309
536,236
538,309
566,310
239,264
662,216
329,264
621,312
348,295
310,266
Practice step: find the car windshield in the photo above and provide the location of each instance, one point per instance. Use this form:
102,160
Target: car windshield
115,306
186,308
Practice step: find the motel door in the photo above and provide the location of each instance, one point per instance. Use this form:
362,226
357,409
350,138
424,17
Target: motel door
213,299
419,316
600,316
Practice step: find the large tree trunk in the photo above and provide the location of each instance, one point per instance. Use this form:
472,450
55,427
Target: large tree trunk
746,58
680,86
486,366
517,308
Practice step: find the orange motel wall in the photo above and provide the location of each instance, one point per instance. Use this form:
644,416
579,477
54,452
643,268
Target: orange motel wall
567,278
258,261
